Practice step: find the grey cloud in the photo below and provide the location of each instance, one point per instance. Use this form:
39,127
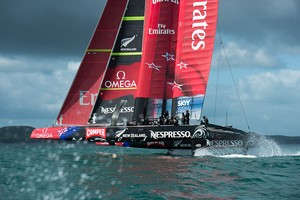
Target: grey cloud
47,28
261,22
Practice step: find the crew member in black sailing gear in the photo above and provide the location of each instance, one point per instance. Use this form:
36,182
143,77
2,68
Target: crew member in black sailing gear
187,117
205,120
161,121
183,119
175,121
166,115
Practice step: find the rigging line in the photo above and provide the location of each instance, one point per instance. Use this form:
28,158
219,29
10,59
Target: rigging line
217,87
237,91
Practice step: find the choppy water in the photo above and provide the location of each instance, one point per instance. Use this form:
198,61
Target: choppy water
86,171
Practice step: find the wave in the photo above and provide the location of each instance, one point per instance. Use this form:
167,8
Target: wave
238,156
264,148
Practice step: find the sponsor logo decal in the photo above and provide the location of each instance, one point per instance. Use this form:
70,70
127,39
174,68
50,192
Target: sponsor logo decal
182,65
177,143
68,132
44,134
170,134
153,66
200,133
175,85
121,83
51,133
251,142
87,98
185,145
199,25
183,105
134,135
110,110
62,131
156,143
168,56
125,42
95,132
102,143
226,143
122,134
161,30
160,1
183,102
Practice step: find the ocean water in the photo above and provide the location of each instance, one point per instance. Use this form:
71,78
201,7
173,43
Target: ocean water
87,171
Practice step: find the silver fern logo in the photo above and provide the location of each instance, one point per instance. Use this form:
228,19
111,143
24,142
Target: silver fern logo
126,41
177,143
119,134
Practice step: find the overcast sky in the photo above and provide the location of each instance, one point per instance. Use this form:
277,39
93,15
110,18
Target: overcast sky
42,44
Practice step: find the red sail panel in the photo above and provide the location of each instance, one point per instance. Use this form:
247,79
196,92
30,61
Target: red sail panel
120,81
196,33
159,48
116,98
82,95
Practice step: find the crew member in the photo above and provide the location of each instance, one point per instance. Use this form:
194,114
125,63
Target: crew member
183,119
205,120
187,117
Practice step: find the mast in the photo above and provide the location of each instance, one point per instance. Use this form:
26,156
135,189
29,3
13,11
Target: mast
158,59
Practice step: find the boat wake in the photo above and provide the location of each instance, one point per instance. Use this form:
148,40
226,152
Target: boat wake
264,148
238,156
223,152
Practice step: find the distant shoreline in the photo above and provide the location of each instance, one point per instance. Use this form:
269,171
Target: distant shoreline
15,133
281,139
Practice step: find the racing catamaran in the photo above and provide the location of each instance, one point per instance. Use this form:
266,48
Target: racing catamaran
146,58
